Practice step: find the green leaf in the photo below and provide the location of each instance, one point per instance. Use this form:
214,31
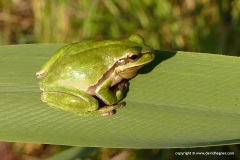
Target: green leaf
182,99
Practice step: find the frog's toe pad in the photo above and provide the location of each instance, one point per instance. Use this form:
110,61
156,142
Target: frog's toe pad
109,113
120,105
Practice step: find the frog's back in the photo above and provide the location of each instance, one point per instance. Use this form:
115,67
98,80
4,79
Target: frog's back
83,64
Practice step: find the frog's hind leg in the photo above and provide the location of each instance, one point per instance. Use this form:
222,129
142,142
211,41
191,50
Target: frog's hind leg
78,102
71,99
70,103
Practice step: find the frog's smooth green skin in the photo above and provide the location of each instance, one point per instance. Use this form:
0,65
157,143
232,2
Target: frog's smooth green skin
80,75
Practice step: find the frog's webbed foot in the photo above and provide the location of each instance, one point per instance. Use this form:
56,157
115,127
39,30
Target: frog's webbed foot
110,110
103,111
120,87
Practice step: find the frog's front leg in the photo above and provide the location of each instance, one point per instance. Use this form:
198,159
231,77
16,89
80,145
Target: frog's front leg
111,95
76,101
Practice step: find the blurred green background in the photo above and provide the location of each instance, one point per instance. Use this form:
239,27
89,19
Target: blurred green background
201,25
211,26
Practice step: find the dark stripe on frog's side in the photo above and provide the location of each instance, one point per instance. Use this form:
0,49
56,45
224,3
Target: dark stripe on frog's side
91,90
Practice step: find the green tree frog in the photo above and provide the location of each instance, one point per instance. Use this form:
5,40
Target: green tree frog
88,78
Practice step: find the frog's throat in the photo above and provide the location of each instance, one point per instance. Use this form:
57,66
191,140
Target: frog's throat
129,72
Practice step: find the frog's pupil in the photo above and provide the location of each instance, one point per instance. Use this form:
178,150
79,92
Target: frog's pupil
134,57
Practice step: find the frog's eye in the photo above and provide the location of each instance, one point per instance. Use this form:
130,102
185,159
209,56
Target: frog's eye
132,57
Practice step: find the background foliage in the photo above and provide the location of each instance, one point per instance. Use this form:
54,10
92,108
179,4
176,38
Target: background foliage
201,25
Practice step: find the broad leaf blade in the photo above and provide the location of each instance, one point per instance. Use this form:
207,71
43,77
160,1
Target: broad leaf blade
184,100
